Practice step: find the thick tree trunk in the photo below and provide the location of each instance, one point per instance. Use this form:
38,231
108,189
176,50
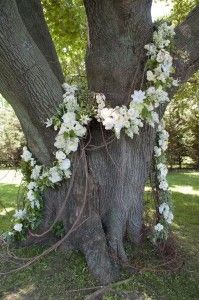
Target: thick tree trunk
32,15
103,202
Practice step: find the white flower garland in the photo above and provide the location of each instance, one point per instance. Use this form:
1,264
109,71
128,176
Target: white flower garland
70,123
161,229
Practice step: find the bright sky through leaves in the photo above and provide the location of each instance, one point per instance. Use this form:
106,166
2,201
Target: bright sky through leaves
160,9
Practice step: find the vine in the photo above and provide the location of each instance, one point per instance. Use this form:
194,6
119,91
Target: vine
71,120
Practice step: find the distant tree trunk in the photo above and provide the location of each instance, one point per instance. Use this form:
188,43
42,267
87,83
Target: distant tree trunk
108,182
180,162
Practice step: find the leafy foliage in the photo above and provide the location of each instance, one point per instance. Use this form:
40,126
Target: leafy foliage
181,8
11,136
67,24
182,117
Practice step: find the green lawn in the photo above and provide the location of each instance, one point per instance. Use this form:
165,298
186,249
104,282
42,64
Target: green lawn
56,275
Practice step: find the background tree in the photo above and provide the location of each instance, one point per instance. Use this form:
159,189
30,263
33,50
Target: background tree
176,129
108,184
182,113
191,124
12,137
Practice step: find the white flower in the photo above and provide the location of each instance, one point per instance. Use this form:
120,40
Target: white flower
60,155
79,129
27,155
35,203
138,96
70,102
150,76
163,185
163,144
161,166
100,97
60,141
69,98
36,172
67,173
18,227
20,214
164,134
158,227
157,151
69,118
84,119
65,164
71,145
160,127
165,58
162,76
10,233
162,170
163,207
32,185
151,49
74,126
165,210
155,117
31,195
170,218
49,122
175,82
149,107
69,89
107,119
151,91
161,95
32,162
54,175
68,145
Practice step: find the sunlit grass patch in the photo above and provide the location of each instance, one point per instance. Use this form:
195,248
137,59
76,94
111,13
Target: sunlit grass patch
8,203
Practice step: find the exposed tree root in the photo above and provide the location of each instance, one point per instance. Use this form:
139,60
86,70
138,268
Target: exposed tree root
90,239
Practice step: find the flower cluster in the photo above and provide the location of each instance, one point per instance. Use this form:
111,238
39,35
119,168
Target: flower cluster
34,188
162,142
165,211
160,57
71,126
119,117
70,122
143,103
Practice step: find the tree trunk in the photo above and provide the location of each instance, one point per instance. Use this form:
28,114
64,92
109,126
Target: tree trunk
103,202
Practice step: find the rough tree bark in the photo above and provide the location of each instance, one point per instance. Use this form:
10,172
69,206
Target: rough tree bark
108,182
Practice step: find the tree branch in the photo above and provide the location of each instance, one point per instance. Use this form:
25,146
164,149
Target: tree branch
118,31
32,15
27,81
187,45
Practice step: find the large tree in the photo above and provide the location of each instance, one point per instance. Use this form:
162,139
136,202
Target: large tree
103,202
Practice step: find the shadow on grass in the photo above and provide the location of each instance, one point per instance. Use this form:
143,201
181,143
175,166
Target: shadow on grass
50,278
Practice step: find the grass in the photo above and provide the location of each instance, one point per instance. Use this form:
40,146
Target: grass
56,274
8,196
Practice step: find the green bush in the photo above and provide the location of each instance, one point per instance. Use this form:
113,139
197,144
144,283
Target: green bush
11,137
